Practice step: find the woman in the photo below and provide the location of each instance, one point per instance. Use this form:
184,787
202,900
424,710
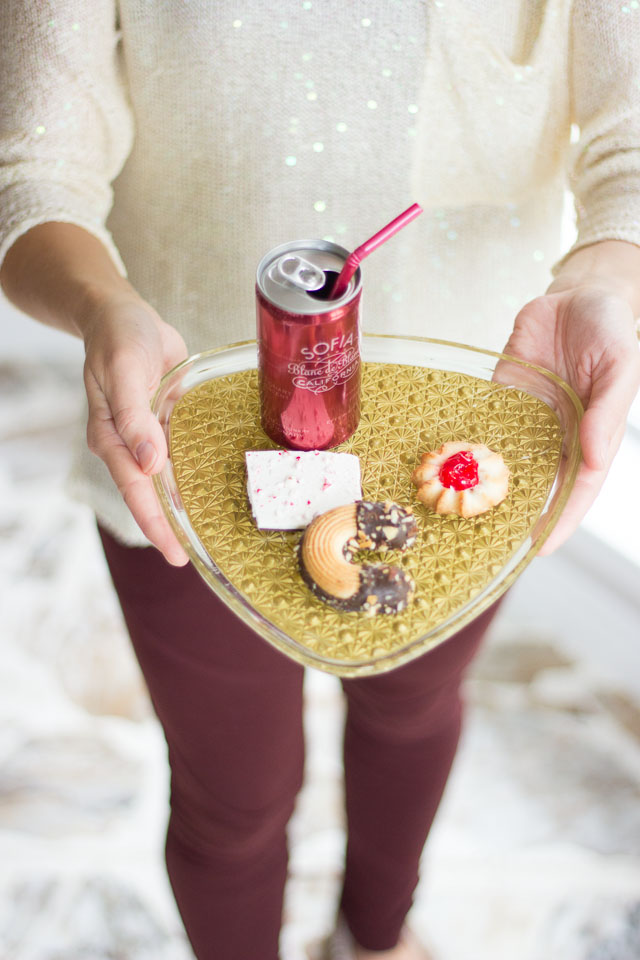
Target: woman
181,141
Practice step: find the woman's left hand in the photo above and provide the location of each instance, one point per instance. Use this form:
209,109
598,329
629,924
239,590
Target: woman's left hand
586,334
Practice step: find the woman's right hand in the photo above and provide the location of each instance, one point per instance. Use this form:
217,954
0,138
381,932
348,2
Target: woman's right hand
128,350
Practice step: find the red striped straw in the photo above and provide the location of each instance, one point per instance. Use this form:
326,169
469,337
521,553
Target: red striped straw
353,260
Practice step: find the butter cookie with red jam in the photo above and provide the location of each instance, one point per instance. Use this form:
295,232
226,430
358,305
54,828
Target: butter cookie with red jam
330,543
462,478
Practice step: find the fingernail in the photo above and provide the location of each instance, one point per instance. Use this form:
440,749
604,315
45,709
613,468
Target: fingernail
146,455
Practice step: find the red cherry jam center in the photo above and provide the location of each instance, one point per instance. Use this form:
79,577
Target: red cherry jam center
459,471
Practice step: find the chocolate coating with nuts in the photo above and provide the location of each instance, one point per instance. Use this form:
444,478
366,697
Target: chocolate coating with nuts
330,542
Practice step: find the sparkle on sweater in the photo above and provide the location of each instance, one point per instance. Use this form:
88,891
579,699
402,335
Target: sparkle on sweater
215,123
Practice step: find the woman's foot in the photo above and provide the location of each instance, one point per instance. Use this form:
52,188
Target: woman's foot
409,948
342,946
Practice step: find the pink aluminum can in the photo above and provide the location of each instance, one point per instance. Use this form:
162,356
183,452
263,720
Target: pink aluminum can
308,346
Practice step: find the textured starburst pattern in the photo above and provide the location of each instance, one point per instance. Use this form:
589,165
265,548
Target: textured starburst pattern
405,412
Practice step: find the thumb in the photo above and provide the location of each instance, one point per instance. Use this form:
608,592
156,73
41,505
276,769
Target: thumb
603,422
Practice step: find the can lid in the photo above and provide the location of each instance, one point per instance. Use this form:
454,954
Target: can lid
291,268
295,276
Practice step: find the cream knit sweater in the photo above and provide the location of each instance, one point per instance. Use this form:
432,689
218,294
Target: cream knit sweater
191,136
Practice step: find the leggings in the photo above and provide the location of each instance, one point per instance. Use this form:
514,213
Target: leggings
231,709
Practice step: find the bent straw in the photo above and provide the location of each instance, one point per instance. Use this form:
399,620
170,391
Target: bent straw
353,260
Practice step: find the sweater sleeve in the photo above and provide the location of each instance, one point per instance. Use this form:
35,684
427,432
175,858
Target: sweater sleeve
605,93
66,127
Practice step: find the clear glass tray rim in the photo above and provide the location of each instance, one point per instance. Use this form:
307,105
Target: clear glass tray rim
376,348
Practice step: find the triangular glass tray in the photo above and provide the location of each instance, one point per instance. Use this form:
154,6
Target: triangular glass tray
416,394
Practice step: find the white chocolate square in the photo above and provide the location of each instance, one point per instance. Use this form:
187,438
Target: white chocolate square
288,488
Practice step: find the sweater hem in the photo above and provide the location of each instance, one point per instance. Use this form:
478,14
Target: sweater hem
110,513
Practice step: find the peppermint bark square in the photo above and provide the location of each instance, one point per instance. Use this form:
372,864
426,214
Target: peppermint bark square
288,488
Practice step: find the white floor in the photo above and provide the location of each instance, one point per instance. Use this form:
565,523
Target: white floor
536,851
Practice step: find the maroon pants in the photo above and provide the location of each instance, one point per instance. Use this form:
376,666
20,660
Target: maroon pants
231,709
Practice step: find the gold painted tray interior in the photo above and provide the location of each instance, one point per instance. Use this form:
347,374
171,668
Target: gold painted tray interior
211,414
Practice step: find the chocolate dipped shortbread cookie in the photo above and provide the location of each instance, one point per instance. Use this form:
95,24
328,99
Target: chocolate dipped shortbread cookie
330,543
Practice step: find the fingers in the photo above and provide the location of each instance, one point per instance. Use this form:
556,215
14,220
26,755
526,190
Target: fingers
123,399
601,431
128,350
603,423
586,488
140,497
131,457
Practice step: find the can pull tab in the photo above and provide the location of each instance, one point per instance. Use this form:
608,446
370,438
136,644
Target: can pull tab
296,270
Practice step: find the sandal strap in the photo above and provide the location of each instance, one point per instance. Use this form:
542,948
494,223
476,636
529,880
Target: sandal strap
341,942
